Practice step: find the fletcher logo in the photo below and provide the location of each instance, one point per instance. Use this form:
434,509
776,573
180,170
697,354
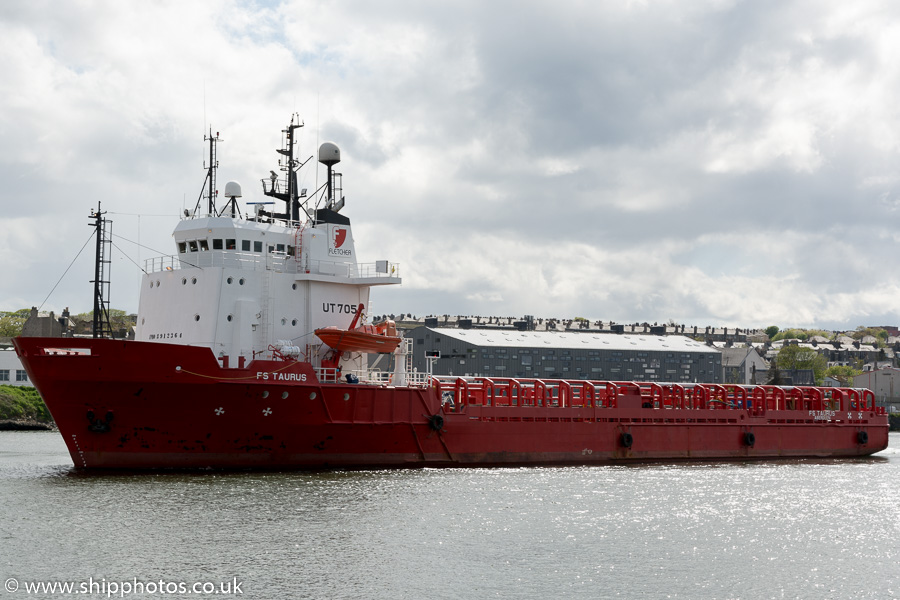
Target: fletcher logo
338,237
280,376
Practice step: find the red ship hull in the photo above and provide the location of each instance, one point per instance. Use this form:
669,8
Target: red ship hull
147,405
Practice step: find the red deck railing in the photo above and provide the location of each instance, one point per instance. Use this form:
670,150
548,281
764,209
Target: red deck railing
459,392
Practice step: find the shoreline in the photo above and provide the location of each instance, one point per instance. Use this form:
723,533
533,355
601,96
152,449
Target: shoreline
26,425
23,409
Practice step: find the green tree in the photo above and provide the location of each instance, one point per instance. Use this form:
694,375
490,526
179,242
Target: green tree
797,357
828,335
843,374
772,331
118,319
801,334
11,323
880,334
791,334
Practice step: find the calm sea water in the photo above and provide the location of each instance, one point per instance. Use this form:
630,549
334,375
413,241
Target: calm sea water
785,529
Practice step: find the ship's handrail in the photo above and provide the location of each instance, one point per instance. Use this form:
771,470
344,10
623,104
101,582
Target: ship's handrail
373,377
273,261
758,400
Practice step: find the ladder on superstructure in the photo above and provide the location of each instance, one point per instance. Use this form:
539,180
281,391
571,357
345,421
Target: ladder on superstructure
408,354
102,327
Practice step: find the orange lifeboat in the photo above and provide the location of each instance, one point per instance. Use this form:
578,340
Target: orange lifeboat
381,338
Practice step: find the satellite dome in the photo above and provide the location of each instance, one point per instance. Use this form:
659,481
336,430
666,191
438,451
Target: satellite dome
232,189
329,154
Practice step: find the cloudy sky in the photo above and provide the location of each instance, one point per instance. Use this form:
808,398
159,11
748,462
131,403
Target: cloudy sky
710,162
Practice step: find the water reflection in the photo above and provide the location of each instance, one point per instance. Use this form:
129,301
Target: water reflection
794,527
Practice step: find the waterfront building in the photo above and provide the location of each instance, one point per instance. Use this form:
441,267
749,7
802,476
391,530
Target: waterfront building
11,370
565,355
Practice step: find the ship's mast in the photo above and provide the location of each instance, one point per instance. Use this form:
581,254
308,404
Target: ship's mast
211,176
103,232
209,183
290,166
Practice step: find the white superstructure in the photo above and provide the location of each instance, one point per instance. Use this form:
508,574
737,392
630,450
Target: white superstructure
245,285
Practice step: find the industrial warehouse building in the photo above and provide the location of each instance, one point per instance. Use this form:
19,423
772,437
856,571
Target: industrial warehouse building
552,355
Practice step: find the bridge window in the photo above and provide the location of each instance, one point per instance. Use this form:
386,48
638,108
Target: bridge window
245,245
217,244
192,245
182,247
204,246
230,244
257,246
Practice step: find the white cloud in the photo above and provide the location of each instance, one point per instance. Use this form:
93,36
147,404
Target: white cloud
718,162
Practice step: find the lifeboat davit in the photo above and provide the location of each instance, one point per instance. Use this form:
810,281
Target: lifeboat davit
381,338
